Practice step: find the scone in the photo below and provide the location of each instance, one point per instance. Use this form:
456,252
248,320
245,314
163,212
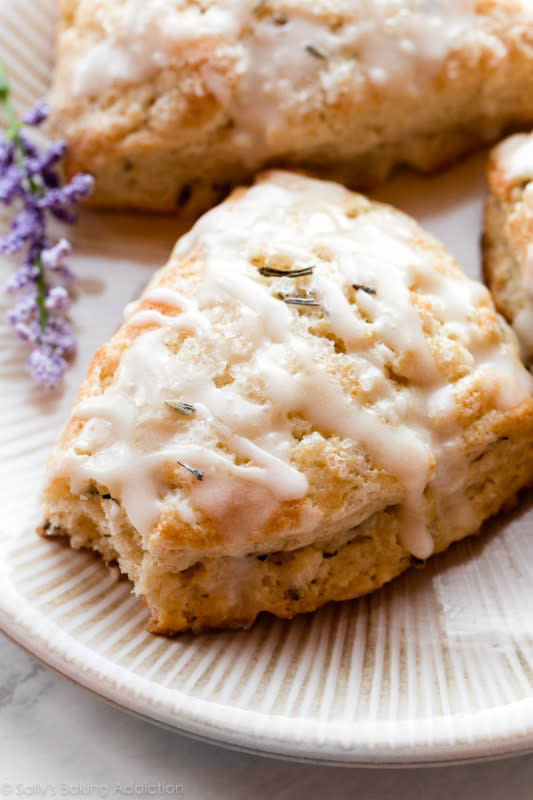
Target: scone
508,235
309,397
169,102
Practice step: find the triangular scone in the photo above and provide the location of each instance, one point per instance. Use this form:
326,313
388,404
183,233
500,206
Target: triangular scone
508,236
307,398
168,103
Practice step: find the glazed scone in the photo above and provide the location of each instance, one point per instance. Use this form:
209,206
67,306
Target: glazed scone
169,102
307,398
508,235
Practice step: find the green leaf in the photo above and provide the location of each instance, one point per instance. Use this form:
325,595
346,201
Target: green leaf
4,85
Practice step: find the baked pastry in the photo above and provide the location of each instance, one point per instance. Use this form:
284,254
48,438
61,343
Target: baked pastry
169,103
508,235
309,397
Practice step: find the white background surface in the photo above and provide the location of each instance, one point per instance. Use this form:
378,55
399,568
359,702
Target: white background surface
54,733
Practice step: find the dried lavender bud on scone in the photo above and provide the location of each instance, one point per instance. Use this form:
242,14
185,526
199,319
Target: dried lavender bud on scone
309,396
508,235
169,103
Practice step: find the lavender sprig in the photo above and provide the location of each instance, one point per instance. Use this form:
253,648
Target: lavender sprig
29,180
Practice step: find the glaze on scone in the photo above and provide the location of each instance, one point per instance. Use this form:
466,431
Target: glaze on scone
169,102
508,235
364,408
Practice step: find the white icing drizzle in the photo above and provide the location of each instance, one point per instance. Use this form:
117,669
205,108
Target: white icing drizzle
139,37
517,158
285,53
131,436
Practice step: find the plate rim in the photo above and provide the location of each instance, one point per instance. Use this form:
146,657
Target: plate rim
480,758
252,731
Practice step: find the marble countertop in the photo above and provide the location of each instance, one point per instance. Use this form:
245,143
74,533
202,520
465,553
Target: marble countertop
57,740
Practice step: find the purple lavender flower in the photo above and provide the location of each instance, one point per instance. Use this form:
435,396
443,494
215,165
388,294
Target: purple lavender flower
38,163
24,308
11,184
37,115
47,365
25,274
54,257
29,331
7,153
30,177
58,299
79,188
59,334
27,224
32,151
60,201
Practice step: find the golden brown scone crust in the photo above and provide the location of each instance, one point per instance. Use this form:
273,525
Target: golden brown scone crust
346,535
221,104
508,235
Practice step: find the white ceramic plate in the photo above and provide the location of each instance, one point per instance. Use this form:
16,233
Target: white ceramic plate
436,667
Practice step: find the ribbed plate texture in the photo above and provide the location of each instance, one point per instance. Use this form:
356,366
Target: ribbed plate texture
437,666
